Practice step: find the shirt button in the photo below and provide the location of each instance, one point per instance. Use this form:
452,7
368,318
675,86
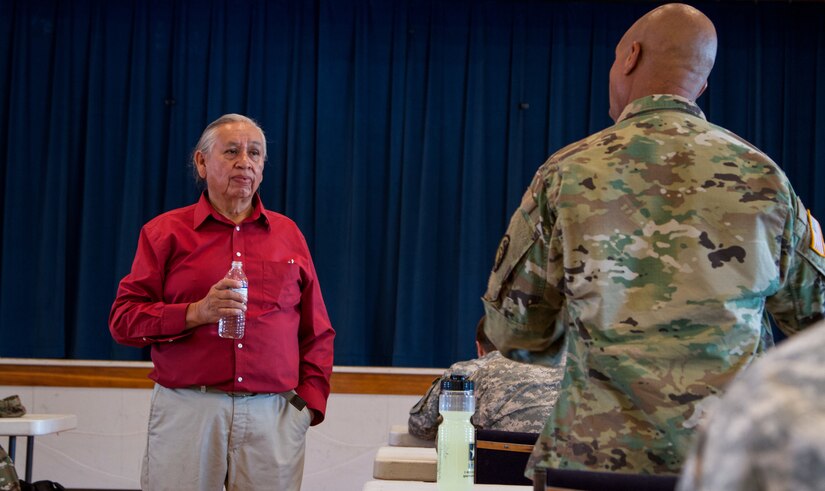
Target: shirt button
238,228
240,379
240,345
238,254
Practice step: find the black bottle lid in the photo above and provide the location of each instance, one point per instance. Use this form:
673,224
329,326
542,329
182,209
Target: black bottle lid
457,382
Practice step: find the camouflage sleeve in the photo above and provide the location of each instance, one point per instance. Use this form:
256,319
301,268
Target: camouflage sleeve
423,421
524,294
800,300
8,476
424,418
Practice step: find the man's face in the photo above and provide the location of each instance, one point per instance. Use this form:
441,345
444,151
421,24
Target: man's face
233,168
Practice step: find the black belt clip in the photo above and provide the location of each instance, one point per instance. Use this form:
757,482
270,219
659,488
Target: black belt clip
293,398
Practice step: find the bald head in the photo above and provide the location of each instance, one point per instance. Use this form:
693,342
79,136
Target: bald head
670,50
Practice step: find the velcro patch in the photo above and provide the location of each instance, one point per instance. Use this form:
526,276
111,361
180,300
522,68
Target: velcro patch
817,242
501,252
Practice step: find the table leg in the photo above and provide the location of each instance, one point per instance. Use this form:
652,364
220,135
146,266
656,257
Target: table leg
29,457
12,446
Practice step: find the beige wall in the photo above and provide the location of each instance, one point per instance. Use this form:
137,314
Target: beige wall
106,448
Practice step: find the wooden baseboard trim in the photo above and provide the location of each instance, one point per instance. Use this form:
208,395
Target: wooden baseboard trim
350,381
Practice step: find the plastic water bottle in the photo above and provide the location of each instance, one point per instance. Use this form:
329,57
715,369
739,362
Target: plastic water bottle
232,326
456,435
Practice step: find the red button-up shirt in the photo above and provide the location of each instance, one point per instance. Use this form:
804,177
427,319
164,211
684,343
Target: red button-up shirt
180,255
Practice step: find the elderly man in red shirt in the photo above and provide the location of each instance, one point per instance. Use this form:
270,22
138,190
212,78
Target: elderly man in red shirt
227,412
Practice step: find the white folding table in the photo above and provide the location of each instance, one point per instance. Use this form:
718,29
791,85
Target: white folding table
31,425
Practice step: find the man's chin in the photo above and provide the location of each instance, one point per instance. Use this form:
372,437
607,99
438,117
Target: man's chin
242,191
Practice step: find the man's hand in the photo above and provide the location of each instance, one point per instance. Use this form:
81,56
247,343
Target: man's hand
219,302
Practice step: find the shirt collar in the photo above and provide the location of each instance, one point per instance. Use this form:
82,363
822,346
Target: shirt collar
660,102
493,355
204,210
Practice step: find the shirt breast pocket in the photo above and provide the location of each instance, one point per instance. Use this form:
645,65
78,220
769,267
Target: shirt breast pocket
281,285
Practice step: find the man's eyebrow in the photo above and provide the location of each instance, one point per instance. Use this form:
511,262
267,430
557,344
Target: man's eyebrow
235,143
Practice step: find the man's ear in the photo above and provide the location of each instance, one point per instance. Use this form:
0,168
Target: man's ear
200,163
633,57
702,90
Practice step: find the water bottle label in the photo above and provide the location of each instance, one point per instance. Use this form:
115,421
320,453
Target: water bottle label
472,461
243,291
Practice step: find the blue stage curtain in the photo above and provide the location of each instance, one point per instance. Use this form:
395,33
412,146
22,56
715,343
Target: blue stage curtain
401,134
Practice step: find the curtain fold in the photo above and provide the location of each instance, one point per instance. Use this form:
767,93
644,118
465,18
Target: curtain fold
401,137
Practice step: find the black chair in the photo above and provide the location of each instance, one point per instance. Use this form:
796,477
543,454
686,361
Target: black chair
501,456
604,481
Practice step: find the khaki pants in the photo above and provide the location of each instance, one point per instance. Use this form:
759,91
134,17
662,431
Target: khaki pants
203,441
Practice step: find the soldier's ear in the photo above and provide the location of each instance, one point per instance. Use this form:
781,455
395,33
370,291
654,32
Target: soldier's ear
633,57
702,90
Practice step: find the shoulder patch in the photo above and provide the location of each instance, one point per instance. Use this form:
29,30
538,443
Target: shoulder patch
817,242
501,252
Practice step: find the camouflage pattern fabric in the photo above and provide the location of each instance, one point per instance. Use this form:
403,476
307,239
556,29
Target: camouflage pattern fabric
767,432
650,251
510,396
8,476
11,407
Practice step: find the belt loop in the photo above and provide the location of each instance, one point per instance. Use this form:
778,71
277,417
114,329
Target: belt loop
203,389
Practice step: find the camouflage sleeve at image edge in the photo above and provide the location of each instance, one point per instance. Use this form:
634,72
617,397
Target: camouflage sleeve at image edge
8,475
801,299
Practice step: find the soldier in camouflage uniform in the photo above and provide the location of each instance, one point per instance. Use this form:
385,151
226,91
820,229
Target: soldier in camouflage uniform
510,396
768,432
8,476
651,251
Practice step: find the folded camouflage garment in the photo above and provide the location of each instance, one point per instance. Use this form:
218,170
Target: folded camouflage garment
11,407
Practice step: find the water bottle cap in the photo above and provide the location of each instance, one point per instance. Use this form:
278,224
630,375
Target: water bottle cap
457,382
237,264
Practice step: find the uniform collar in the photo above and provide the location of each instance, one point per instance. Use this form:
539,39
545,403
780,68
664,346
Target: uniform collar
660,102
204,211
492,355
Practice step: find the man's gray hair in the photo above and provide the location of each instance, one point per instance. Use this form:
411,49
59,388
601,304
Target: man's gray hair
207,139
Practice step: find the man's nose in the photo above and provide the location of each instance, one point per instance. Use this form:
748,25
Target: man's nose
245,160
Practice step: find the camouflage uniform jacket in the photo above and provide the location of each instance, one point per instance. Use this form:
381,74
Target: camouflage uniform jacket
767,432
650,251
510,396
8,476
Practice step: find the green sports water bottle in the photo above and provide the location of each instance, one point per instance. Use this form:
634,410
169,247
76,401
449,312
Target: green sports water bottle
456,435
